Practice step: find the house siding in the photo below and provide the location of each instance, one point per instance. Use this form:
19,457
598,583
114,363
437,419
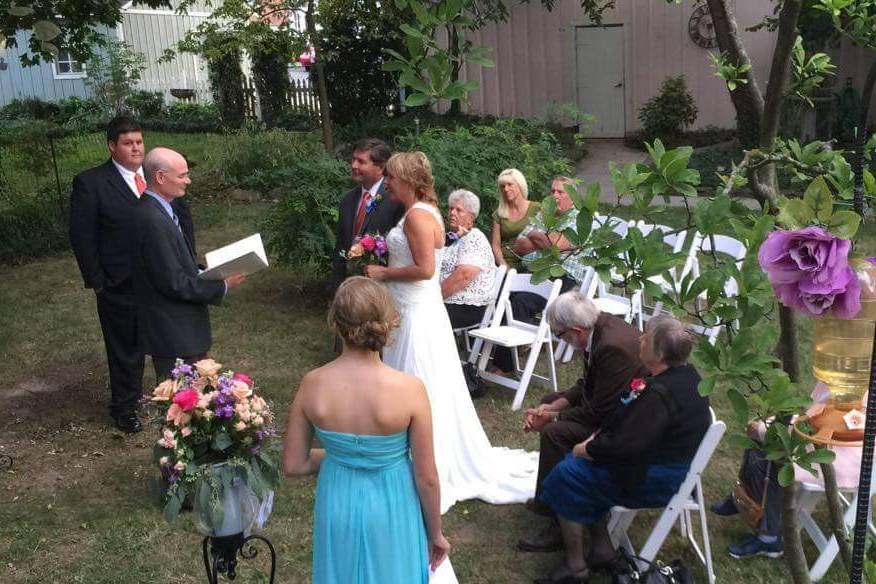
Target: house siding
20,82
534,53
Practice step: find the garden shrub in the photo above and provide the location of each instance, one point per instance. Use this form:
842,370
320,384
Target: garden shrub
272,84
31,225
226,81
145,104
186,117
297,119
307,182
31,108
472,158
354,36
668,113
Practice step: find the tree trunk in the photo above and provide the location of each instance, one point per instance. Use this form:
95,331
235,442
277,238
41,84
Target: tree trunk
838,526
747,98
453,49
789,350
791,536
322,90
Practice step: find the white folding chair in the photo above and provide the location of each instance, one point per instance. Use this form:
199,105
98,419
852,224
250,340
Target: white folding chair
690,497
828,548
516,334
498,278
727,245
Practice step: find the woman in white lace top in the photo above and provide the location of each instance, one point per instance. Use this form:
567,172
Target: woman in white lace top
467,267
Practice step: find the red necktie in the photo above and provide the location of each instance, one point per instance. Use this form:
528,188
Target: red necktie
360,214
139,183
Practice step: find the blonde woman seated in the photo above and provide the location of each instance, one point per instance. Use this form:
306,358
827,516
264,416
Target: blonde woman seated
513,214
376,517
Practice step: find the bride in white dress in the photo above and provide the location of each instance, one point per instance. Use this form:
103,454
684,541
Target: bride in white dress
468,466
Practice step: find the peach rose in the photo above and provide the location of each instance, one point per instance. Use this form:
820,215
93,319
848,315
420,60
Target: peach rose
208,368
258,404
180,466
186,431
240,426
356,251
240,390
242,411
207,414
164,391
163,460
199,384
178,416
258,421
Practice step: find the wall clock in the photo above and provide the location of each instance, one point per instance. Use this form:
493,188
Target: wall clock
701,29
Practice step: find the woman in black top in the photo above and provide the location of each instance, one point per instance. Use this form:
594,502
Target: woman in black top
640,456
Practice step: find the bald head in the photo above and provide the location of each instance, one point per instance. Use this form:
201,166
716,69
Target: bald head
167,173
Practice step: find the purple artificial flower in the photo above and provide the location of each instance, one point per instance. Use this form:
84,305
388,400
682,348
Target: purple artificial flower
181,370
254,450
380,247
809,271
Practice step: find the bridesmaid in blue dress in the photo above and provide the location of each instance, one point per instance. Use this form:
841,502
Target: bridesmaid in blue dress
376,517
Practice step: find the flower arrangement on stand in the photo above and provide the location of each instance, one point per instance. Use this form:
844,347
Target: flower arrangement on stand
216,451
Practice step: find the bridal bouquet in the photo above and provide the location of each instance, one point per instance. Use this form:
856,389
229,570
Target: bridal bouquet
366,250
215,444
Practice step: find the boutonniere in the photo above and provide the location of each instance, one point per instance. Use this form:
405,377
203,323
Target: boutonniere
372,203
637,386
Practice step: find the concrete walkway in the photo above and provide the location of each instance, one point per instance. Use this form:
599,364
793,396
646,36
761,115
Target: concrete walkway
594,166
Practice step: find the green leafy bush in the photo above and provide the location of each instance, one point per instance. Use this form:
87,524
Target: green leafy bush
145,104
297,119
668,113
186,118
31,225
30,108
307,182
472,158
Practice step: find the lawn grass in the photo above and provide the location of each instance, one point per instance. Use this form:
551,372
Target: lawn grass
76,507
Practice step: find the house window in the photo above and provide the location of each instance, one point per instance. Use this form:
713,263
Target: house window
66,67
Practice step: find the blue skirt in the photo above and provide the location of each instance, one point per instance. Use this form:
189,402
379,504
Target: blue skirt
582,491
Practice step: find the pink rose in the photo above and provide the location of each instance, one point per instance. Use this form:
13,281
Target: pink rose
638,384
368,243
167,440
186,431
186,400
243,377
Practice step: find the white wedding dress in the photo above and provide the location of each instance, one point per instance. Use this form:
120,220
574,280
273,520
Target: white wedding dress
423,345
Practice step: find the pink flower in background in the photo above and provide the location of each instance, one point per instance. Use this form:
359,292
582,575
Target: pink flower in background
809,271
167,439
242,377
176,415
186,400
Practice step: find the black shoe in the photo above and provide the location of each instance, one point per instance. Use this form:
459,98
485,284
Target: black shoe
128,423
725,508
547,539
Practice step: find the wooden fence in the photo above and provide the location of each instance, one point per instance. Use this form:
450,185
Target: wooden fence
301,95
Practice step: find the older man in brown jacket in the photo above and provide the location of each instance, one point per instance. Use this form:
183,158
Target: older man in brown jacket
610,349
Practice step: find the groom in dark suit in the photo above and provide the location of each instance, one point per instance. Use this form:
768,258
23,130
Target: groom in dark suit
171,299
366,208
101,214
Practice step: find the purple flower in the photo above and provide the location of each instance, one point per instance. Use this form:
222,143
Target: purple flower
809,271
254,450
181,370
380,247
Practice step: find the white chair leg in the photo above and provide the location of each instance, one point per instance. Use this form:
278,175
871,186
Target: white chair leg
707,545
485,356
552,365
527,375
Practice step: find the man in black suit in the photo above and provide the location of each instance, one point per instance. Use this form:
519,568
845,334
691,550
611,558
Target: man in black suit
171,300
366,208
101,214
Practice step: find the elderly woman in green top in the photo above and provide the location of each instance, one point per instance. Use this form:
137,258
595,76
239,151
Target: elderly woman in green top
513,214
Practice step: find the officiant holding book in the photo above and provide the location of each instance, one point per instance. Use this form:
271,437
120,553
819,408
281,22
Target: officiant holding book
172,302
366,208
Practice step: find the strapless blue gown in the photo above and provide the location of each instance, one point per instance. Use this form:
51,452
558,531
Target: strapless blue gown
368,524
